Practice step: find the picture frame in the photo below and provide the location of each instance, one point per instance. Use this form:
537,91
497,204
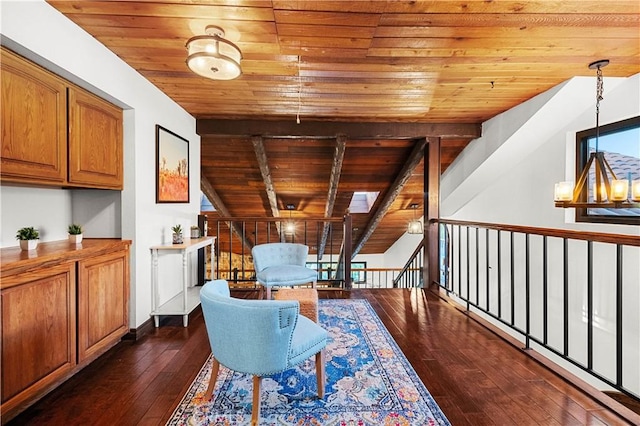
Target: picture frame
172,167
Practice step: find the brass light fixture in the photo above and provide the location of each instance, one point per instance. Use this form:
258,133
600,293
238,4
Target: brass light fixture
608,191
414,226
212,56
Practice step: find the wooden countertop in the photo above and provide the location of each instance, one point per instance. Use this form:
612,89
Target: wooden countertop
13,260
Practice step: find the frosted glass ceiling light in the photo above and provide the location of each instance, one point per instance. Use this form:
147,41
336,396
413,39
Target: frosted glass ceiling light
212,56
415,225
290,225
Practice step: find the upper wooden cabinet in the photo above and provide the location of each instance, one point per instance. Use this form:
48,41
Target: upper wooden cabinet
34,122
54,133
95,141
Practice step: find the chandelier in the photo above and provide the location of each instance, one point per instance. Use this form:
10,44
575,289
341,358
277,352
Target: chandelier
608,191
212,56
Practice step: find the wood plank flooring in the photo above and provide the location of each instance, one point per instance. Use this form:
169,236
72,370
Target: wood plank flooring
476,377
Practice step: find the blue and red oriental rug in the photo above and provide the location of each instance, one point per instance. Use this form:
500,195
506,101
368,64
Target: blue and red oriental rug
369,382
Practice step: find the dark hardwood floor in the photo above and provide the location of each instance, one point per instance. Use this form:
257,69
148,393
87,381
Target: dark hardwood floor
476,377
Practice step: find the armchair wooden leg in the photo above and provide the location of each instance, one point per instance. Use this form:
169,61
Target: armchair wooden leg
268,291
320,375
215,367
255,410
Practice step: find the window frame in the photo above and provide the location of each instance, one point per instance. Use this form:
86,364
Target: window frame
324,267
582,156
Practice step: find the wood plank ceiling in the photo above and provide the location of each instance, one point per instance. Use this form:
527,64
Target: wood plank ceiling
368,80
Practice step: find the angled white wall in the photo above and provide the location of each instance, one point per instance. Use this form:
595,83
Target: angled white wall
512,181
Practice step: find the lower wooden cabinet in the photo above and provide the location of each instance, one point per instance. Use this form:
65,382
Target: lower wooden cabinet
103,303
60,309
38,332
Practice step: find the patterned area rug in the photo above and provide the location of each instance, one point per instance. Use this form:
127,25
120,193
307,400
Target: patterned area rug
369,382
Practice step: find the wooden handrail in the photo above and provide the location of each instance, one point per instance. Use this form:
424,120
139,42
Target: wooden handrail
624,239
274,219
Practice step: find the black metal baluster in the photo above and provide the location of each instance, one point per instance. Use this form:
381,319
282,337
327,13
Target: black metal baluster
460,260
477,267
499,266
619,298
513,283
545,296
527,284
589,305
468,270
450,262
486,248
565,284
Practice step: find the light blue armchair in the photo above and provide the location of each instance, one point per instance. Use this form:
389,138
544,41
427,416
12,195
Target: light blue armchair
259,337
282,264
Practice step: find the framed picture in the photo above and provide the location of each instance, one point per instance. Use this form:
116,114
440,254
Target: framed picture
172,167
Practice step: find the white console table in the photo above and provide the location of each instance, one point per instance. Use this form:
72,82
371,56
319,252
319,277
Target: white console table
186,300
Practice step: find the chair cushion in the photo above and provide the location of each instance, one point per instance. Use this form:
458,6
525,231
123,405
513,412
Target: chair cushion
308,339
286,275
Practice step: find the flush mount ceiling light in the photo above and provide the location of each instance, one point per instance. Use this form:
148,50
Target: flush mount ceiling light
212,56
607,191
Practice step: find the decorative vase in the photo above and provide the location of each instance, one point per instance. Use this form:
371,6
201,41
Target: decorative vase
177,238
195,232
28,244
75,238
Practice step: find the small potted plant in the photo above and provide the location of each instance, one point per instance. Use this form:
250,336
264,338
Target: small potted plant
177,234
75,233
28,238
195,232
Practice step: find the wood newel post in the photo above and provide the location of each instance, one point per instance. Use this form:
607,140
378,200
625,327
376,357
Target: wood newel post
347,232
431,211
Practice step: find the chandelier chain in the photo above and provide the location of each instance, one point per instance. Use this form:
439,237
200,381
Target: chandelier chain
599,97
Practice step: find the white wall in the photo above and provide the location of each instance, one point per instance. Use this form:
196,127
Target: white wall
39,32
373,260
47,210
51,210
398,254
511,182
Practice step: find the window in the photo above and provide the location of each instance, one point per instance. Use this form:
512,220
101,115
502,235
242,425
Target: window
327,270
362,202
620,143
205,204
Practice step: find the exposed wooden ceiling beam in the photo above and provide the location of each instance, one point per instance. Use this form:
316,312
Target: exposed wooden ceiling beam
405,174
334,180
222,210
263,163
328,129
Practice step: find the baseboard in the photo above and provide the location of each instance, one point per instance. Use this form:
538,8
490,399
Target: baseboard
148,326
137,333
621,410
